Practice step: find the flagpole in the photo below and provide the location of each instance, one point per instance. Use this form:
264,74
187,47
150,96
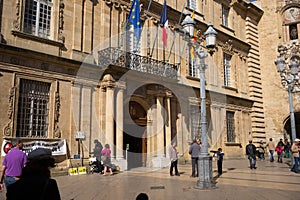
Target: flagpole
138,41
154,42
122,35
164,10
174,36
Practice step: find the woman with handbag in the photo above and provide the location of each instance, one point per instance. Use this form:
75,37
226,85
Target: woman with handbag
106,159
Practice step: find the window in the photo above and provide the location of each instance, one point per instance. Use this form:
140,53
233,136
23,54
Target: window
227,70
195,121
293,32
132,48
225,14
193,71
192,4
37,18
230,126
33,109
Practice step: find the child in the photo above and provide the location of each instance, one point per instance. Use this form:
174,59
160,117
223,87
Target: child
219,155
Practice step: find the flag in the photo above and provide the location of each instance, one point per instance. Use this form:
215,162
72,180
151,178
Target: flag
164,23
134,18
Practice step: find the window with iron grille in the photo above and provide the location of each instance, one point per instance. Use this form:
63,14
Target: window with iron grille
230,126
227,70
225,15
195,121
37,17
33,109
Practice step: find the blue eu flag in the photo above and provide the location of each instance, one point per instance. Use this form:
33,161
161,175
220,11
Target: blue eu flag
135,19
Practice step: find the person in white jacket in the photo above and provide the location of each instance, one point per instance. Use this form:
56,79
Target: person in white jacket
173,153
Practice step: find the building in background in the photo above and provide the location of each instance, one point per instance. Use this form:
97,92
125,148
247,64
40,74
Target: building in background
279,38
76,71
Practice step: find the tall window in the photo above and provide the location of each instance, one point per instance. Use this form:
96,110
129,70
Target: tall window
225,15
195,121
37,18
293,31
230,126
193,71
33,109
132,47
192,4
227,70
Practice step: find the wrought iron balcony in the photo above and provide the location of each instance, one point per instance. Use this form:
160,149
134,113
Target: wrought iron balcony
136,62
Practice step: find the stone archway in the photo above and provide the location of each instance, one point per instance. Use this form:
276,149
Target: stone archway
287,125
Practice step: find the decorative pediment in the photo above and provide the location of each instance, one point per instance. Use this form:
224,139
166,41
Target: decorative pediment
291,15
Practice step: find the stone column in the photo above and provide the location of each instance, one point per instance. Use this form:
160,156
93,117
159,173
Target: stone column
168,122
120,120
160,127
109,84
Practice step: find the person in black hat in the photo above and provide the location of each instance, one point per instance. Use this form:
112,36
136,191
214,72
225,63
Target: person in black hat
35,182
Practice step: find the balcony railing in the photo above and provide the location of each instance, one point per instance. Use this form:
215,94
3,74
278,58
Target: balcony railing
136,62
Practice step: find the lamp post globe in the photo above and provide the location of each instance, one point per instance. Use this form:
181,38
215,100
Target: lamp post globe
188,25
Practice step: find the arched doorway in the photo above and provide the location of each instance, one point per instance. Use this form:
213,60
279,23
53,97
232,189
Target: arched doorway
135,136
287,126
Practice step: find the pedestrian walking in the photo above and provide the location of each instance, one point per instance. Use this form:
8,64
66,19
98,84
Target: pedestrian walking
251,153
295,152
220,155
194,151
35,182
271,146
106,159
12,164
279,149
261,150
287,148
173,154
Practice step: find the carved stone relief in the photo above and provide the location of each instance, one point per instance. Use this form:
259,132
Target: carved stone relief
289,50
57,131
16,22
8,128
61,37
227,47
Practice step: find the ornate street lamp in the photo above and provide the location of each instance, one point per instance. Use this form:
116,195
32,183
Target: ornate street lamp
289,77
205,180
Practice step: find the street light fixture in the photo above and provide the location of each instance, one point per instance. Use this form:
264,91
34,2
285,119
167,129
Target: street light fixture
289,77
205,180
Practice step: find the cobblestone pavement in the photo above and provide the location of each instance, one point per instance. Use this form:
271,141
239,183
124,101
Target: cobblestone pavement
269,181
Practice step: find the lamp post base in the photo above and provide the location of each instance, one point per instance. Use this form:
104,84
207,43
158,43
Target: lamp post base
205,173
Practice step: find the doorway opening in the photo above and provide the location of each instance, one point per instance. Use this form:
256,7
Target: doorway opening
135,136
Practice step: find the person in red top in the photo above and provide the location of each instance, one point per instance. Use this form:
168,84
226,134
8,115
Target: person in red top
106,159
279,149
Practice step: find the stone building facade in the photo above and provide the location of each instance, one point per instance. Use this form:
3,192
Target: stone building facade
70,67
277,39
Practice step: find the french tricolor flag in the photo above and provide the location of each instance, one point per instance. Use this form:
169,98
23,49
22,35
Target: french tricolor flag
164,23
